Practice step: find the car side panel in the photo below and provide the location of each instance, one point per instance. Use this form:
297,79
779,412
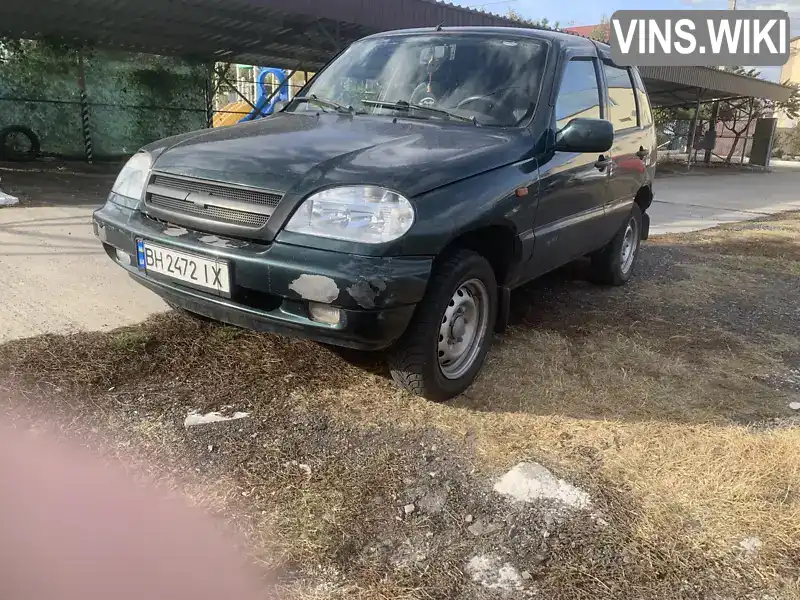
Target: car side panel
628,174
573,189
633,158
570,218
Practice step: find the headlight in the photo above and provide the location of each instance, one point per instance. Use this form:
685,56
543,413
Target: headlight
372,215
132,180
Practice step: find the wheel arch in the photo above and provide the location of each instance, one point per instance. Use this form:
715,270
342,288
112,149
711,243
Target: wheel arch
498,243
501,246
644,197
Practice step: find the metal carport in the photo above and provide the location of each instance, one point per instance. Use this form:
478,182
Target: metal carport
681,86
302,34
281,33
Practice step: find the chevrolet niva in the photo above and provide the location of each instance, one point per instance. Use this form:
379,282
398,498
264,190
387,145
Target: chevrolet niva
396,201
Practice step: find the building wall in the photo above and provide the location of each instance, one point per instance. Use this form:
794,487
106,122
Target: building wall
790,72
134,99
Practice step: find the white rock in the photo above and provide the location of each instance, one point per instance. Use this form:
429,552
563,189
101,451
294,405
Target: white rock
794,405
195,418
528,482
751,545
409,508
8,199
491,572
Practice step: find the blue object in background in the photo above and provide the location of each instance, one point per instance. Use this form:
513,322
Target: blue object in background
265,107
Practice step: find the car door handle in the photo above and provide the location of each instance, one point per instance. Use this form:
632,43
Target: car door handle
602,163
642,153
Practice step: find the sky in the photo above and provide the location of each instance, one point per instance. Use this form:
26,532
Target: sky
590,12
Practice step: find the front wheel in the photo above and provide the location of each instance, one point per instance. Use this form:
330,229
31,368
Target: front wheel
613,265
445,345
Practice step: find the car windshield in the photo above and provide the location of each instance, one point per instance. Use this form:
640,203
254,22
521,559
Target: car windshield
491,80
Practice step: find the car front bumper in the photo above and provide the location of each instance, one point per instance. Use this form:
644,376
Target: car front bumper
272,285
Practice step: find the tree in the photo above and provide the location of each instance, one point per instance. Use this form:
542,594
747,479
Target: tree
787,142
737,115
602,31
545,22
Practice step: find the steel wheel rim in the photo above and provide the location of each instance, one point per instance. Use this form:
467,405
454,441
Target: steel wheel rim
630,243
463,329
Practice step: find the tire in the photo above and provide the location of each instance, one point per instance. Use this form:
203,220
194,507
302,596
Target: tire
613,265
463,285
8,153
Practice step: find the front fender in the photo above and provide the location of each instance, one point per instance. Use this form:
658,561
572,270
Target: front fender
486,200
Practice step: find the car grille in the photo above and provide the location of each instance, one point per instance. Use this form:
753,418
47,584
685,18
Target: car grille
231,205
217,213
212,189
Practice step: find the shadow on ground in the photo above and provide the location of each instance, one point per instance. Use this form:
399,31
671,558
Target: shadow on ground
58,185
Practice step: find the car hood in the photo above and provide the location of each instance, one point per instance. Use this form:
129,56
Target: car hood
299,152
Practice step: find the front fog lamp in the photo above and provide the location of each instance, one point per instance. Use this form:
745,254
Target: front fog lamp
123,257
372,215
132,180
324,313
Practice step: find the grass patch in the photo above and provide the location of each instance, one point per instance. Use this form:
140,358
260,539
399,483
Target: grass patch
129,340
776,237
645,397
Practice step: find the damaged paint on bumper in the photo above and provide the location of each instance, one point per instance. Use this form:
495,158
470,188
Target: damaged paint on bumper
272,284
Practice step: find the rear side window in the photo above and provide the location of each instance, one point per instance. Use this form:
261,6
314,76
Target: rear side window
621,98
579,95
645,113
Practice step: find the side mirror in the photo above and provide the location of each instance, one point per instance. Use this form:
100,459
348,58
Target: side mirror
585,135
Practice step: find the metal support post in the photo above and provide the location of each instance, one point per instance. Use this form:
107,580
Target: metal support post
747,131
713,124
84,99
210,92
690,141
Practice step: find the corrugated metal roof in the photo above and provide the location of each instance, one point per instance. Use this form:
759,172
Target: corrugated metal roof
681,85
296,33
276,32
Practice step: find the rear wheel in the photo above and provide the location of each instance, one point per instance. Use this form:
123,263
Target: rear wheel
614,264
446,343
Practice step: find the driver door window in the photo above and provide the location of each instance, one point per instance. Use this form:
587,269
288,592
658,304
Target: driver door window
579,95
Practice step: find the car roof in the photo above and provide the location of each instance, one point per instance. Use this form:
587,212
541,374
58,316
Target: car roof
561,39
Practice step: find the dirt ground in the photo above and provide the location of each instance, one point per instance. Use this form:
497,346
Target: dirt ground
56,276
667,402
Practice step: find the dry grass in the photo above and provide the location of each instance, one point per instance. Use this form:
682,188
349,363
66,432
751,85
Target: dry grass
772,237
645,397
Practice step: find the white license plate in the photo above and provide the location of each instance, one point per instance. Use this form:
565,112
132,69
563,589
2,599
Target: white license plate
208,273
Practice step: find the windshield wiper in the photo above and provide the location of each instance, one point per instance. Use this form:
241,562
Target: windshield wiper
325,102
407,107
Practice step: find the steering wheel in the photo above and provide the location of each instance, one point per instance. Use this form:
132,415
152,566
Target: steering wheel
493,105
422,96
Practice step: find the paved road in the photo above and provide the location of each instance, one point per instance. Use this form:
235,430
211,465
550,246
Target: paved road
705,199
56,278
